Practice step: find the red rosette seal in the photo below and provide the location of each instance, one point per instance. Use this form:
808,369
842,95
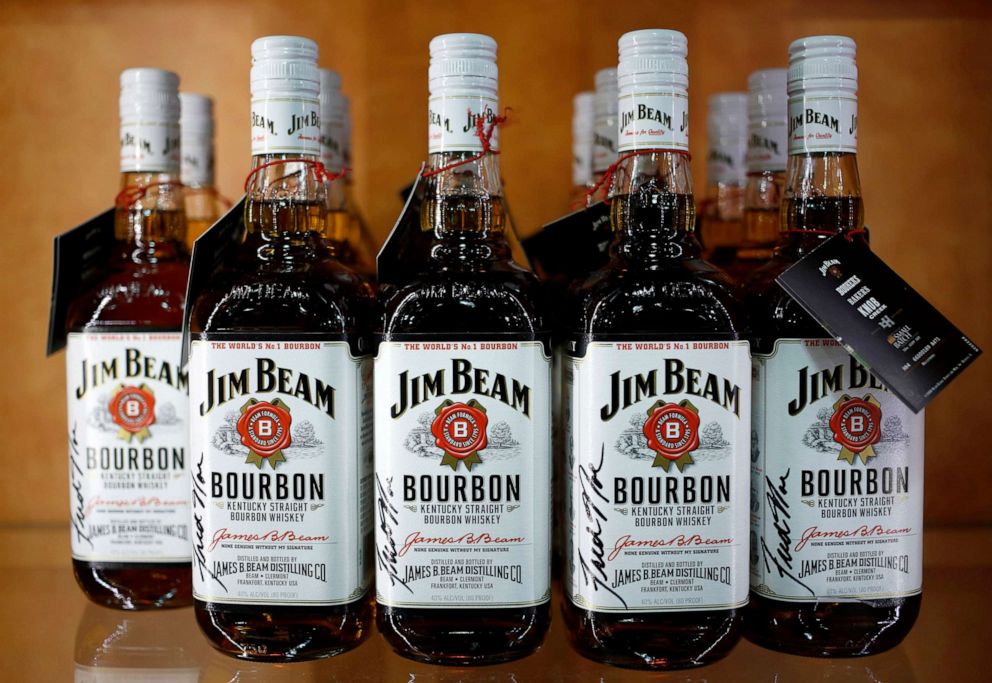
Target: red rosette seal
857,426
264,429
459,430
133,410
672,431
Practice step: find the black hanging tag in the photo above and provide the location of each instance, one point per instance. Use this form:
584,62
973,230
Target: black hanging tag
574,245
212,251
880,319
404,253
80,259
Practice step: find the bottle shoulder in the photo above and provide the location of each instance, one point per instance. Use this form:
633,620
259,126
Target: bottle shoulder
771,313
686,299
322,296
497,301
133,295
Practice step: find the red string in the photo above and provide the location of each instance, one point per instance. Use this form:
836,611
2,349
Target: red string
130,195
215,193
485,134
322,174
607,177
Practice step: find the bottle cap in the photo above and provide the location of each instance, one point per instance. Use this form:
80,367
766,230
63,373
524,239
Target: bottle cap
196,113
583,115
149,95
653,57
463,61
282,64
767,98
332,103
605,97
823,62
331,121
727,115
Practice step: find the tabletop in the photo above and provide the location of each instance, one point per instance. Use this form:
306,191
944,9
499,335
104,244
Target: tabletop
49,632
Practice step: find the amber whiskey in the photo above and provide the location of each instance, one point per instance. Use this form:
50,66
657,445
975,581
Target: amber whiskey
128,451
837,460
657,403
281,438
203,203
463,403
767,151
721,227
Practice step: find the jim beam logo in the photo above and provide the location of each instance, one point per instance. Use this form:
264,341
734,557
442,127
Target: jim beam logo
857,427
264,429
132,408
459,430
672,431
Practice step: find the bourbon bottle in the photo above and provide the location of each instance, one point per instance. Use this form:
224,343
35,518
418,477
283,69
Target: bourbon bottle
128,452
657,381
361,237
463,403
343,229
279,377
767,109
837,460
721,227
583,133
196,124
604,141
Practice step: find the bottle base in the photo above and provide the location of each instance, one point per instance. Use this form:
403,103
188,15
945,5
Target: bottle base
262,633
830,629
464,638
133,586
653,641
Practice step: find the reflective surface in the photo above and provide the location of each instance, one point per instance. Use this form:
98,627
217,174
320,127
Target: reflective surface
50,633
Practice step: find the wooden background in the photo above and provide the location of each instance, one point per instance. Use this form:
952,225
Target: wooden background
925,105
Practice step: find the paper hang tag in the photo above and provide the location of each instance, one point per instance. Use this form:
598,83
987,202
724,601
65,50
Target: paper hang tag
212,251
913,349
404,253
80,259
574,245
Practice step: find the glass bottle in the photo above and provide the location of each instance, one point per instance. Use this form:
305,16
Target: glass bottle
721,229
604,142
203,204
767,152
279,377
128,451
463,404
657,404
837,460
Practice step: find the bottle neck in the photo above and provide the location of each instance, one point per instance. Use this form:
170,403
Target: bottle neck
150,219
762,199
822,198
286,209
463,207
652,210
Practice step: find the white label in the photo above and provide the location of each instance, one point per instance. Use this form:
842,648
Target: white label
827,123
604,144
151,146
453,123
767,143
332,145
582,163
128,456
657,476
653,121
725,162
198,160
837,479
281,472
285,125
463,474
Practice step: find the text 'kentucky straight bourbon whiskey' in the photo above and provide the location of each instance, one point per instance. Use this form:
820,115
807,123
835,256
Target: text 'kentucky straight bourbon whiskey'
463,403
128,456
837,460
280,430
657,386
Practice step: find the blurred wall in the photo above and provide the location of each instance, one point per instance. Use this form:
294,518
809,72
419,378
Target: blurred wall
925,103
